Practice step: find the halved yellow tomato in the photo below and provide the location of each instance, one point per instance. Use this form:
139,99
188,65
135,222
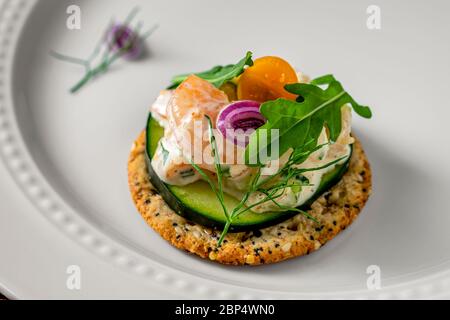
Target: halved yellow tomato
266,79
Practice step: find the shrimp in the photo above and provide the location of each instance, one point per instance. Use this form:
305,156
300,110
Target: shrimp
194,99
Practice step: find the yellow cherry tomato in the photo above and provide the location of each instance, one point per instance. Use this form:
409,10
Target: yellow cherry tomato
266,79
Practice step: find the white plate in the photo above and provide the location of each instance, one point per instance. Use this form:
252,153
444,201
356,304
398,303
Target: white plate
67,153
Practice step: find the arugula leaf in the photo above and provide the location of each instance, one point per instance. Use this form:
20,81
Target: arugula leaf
300,123
177,80
218,75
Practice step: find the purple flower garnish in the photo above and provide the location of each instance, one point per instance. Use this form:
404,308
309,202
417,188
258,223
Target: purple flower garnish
122,37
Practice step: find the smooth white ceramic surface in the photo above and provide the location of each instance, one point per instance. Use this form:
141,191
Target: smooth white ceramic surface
67,153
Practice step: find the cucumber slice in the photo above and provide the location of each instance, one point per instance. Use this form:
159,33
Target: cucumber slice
198,203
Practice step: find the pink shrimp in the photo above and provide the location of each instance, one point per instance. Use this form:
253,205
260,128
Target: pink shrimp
194,99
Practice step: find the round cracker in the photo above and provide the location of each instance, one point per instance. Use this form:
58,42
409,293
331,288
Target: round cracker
335,210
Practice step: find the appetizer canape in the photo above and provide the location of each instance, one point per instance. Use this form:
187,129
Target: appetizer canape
250,163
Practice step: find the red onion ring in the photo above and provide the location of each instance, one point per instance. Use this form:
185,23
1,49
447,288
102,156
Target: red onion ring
239,120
